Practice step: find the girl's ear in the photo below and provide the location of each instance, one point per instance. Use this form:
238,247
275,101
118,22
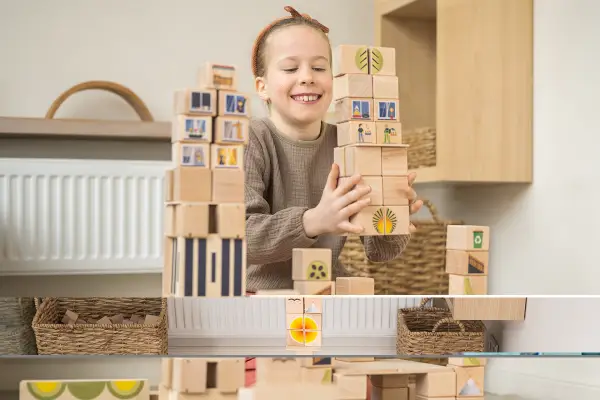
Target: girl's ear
261,88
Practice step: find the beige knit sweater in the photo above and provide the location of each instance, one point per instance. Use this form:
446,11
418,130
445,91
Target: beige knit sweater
284,178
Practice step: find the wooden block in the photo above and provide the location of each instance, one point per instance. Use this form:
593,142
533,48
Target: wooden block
231,130
191,155
294,305
382,60
316,362
313,305
277,370
354,359
388,132
231,220
352,85
382,220
386,110
354,132
469,381
190,375
350,387
318,288
396,191
313,338
378,393
316,375
412,389
227,186
187,128
191,220
389,381
275,292
169,185
233,104
467,284
166,375
467,361
230,374
227,156
196,102
340,159
217,76
169,220
350,59
462,262
394,160
353,109
419,397
468,237
385,86
437,384
209,267
488,309
98,389
169,254
363,160
190,184
355,286
376,184
312,264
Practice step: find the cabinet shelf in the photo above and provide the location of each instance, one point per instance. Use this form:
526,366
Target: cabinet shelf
465,69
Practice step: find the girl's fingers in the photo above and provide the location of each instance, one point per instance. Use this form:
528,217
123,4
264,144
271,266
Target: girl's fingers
347,185
412,228
346,226
353,196
332,178
354,208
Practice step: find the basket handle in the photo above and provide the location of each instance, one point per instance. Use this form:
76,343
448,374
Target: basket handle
432,210
425,301
125,93
449,321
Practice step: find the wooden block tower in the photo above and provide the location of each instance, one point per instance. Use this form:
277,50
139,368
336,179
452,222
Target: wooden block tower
369,135
304,321
201,378
467,257
205,248
311,271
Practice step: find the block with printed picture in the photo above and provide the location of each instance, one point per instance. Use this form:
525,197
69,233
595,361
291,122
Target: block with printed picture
191,155
202,101
227,156
361,109
232,103
387,110
192,129
231,130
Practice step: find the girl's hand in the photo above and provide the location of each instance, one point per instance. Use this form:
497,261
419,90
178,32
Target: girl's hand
337,205
415,205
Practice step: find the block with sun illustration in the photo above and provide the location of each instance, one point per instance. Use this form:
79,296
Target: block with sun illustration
311,271
78,389
304,319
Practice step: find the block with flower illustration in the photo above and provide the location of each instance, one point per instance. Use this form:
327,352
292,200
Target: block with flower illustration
304,318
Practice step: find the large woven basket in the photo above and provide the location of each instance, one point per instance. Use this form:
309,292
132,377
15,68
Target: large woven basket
422,147
432,331
16,334
420,269
53,337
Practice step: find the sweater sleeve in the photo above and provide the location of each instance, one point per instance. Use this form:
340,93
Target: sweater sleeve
384,248
270,237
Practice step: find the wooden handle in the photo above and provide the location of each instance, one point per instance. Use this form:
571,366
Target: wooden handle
126,94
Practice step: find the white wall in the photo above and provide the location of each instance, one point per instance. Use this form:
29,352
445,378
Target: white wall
543,235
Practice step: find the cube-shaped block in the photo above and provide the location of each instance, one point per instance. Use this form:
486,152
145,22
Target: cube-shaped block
169,179
191,154
352,132
217,76
441,383
187,220
354,285
294,305
306,322
388,132
396,190
351,386
352,85
362,159
353,109
376,184
233,104
386,110
350,59
227,186
303,338
187,128
191,184
469,381
190,375
394,160
389,381
230,220
317,288
196,102
462,262
382,220
313,305
227,156
468,237
385,86
382,61
311,264
396,393
323,375
231,130
467,284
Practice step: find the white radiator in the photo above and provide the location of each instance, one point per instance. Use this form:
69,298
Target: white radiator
81,216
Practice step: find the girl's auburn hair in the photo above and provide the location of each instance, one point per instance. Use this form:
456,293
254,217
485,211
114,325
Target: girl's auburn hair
258,50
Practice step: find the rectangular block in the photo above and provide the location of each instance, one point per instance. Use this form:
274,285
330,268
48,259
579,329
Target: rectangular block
467,284
350,59
187,128
227,156
169,185
394,160
209,267
318,288
352,132
230,375
233,104
467,361
231,130
462,262
190,375
103,388
376,184
364,160
437,384
386,110
353,109
382,220
217,76
388,132
354,286
312,264
469,381
350,387
192,184
322,375
166,372
352,85
169,254
195,102
396,191
489,309
227,186
382,60
378,393
385,86
468,237
278,369
191,220
389,381
191,154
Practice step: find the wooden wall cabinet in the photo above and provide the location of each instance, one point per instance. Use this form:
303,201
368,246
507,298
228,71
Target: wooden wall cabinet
465,68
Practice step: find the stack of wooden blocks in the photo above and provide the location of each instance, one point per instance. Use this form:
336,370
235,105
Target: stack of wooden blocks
467,258
369,135
201,378
304,319
456,382
205,248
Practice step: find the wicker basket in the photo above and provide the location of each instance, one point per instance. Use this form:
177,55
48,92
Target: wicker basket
432,331
16,334
53,337
420,270
422,150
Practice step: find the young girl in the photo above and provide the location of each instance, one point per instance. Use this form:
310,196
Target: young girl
291,191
